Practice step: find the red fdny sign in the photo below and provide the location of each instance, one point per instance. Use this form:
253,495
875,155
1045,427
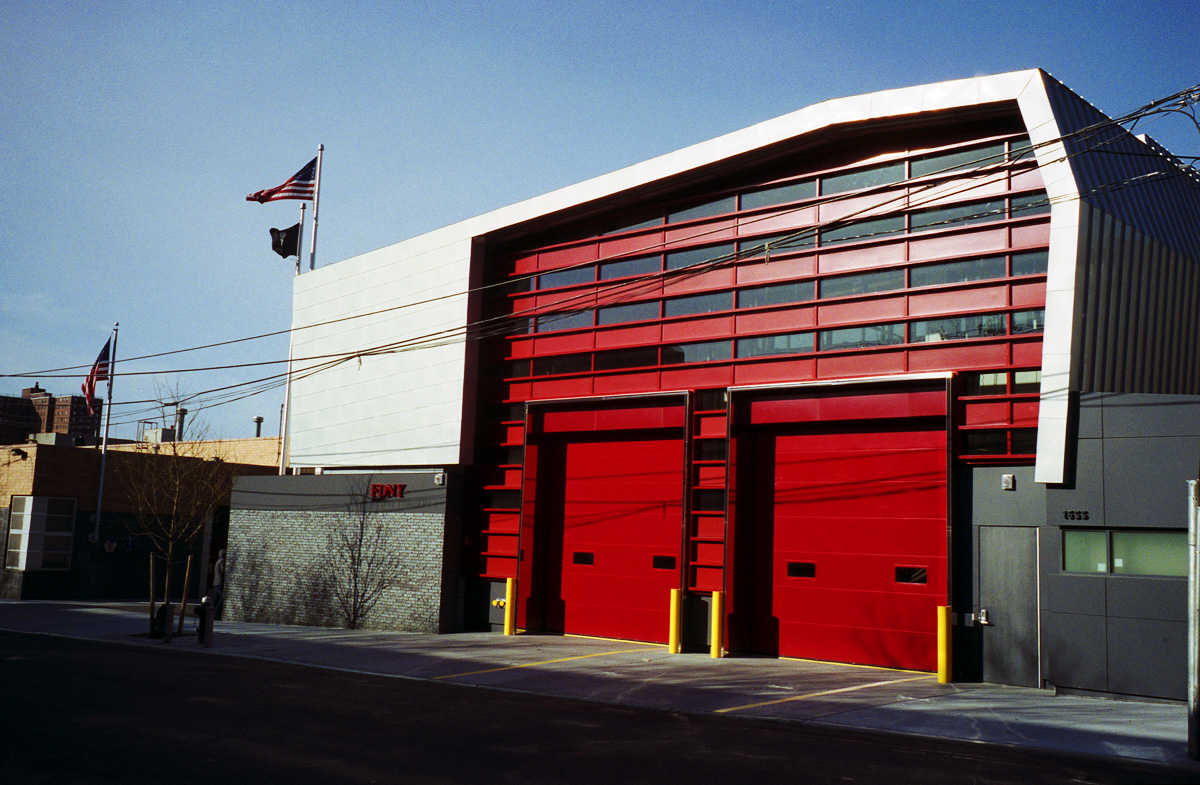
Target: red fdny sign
387,491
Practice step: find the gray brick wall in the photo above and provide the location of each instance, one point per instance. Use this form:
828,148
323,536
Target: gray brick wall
278,568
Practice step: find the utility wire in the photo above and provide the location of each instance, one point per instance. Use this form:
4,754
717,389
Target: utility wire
620,291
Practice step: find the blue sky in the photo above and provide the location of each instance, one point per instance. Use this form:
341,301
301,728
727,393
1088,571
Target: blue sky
133,131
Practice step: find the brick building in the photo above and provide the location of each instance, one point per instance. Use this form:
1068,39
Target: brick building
48,495
37,411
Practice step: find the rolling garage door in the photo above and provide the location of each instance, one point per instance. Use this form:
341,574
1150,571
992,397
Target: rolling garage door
849,535
612,514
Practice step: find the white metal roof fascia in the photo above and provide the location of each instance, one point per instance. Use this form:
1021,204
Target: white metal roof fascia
1058,335
872,106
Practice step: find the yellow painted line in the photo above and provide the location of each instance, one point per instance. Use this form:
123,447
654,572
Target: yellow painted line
533,664
614,640
825,692
851,665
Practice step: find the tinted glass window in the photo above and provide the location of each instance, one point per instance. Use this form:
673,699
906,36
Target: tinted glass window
780,194
627,358
698,303
1024,441
621,225
861,283
1030,263
780,243
957,328
624,268
958,159
861,337
709,501
711,449
793,343
719,207
775,294
634,312
863,178
1029,321
1027,381
1030,204
1020,149
1150,553
1085,550
985,383
563,321
985,443
568,277
958,272
863,230
958,214
678,259
502,500
705,351
562,363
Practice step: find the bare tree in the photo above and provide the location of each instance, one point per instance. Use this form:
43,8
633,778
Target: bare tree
172,489
361,562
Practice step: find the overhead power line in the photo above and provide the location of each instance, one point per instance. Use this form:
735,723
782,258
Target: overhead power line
1094,137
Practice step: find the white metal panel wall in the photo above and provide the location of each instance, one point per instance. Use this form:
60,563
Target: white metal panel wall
397,316
1061,302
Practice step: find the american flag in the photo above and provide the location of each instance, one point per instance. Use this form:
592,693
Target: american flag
301,185
99,373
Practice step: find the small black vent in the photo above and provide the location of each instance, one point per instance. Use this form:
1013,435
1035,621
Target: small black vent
801,569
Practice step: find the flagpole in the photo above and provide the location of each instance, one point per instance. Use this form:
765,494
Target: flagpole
300,237
312,251
287,387
112,371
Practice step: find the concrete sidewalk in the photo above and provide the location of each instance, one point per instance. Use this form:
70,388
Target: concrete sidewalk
645,675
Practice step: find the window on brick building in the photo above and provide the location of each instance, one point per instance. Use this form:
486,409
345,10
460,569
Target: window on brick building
40,533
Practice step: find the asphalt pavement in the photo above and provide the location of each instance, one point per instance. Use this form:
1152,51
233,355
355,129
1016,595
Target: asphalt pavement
646,675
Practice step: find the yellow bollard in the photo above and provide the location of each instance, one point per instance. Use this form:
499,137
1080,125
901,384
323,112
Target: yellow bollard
718,626
943,645
510,606
673,644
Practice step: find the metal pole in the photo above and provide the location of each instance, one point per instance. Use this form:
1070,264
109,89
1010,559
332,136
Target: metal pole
287,397
1193,724
287,387
112,371
312,251
300,237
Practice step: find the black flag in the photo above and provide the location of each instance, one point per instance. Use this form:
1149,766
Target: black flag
286,242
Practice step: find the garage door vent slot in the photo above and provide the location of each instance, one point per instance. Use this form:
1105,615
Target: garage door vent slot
801,569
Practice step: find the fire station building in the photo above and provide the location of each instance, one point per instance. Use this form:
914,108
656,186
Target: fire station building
923,348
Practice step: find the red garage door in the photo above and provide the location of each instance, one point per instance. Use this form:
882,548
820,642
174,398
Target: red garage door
848,530
613,519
